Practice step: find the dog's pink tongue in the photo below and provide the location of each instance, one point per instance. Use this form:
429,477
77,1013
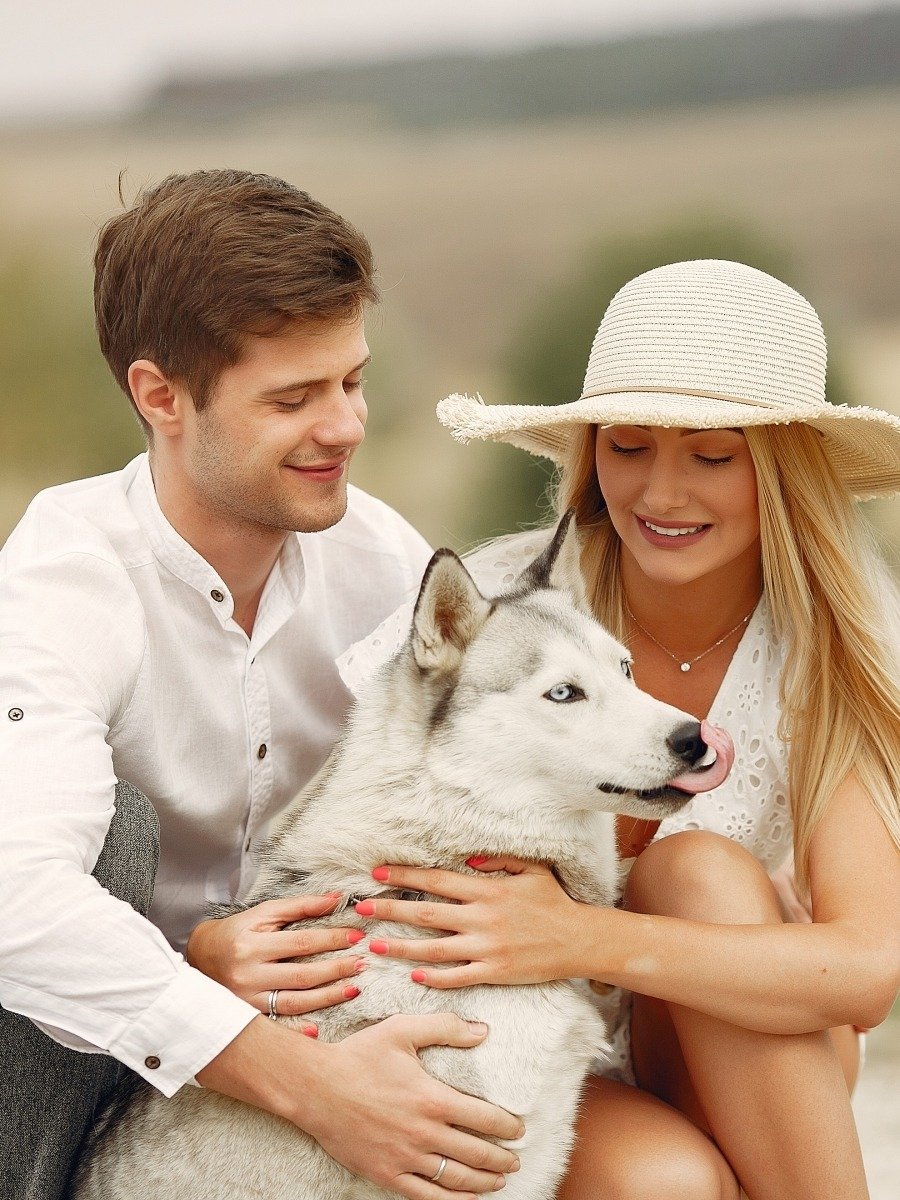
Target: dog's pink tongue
704,779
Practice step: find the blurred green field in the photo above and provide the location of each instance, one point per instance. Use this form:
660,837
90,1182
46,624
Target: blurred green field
473,229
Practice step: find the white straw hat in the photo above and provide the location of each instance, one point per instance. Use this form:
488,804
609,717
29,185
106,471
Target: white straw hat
702,345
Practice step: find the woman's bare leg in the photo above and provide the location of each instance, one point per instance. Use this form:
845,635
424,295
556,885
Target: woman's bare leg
631,1146
777,1106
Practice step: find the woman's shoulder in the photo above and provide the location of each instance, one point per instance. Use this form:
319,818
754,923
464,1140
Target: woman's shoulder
496,564
493,566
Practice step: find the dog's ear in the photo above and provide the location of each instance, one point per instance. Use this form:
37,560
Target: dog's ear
449,612
559,566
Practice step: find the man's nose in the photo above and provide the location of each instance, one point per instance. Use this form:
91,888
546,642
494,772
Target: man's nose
343,423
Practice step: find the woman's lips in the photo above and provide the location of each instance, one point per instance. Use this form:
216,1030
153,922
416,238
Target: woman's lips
671,541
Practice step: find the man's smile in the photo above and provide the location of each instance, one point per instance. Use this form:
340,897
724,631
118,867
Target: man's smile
324,472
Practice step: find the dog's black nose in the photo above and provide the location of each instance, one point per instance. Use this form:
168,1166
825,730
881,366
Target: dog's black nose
687,743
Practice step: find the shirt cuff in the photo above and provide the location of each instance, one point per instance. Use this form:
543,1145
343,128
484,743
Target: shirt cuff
183,1030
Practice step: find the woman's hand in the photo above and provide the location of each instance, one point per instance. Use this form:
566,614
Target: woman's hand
517,928
251,953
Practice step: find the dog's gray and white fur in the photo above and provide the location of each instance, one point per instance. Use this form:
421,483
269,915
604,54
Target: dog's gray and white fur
505,726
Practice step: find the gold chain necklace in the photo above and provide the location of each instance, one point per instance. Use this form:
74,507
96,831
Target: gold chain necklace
688,663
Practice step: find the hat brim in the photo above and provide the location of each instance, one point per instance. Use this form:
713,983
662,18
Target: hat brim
864,443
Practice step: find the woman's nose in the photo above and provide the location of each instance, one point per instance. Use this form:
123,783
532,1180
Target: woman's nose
666,487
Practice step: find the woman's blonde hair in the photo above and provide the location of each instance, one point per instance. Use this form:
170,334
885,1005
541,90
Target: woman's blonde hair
832,601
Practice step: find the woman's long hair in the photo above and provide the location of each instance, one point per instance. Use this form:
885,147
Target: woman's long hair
832,601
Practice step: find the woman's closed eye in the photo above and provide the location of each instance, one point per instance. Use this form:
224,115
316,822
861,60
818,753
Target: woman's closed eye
709,461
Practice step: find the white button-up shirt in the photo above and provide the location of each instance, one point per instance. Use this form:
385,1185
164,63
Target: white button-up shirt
120,659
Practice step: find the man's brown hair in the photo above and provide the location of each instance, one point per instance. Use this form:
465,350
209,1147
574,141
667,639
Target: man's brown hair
202,261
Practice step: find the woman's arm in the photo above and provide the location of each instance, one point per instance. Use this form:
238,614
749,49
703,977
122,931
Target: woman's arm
842,969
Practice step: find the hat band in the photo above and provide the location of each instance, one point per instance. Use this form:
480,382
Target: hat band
700,395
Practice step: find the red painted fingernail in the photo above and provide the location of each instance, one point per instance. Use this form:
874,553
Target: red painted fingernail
381,874
310,1031
365,908
418,976
354,936
476,860
351,992
378,947
359,965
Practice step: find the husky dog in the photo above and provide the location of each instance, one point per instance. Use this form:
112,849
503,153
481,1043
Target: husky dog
505,726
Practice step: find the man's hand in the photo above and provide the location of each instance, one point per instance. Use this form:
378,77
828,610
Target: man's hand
251,952
368,1101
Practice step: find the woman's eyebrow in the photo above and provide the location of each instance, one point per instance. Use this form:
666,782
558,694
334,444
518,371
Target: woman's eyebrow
688,432
723,429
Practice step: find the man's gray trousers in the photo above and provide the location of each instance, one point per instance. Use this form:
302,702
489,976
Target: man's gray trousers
49,1095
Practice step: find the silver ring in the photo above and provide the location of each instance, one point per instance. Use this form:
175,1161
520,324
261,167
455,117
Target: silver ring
439,1172
273,1000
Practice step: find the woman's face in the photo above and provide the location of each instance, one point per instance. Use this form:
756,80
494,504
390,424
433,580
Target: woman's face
683,501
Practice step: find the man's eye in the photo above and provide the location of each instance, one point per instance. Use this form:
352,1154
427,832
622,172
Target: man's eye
564,693
627,664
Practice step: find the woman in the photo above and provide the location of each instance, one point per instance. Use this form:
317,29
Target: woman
715,490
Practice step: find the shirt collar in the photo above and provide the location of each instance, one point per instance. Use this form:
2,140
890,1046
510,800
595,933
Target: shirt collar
283,588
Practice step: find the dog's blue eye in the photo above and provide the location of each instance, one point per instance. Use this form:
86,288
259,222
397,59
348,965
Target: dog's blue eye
626,668
564,693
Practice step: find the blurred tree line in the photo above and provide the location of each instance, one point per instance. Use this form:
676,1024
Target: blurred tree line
777,57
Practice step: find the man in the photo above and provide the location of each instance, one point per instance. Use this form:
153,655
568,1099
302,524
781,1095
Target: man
176,625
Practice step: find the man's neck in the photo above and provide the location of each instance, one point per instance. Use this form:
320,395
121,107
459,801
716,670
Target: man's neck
242,555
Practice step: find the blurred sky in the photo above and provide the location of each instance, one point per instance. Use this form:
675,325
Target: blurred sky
59,57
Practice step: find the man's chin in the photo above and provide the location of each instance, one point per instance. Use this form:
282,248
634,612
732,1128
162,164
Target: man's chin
320,518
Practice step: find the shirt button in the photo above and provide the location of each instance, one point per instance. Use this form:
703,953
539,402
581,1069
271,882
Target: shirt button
151,1063
217,595
262,751
16,714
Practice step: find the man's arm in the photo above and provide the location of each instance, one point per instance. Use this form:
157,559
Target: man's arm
370,1104
74,958
71,956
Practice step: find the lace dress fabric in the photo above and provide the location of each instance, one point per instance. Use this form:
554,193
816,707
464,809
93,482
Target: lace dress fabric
750,807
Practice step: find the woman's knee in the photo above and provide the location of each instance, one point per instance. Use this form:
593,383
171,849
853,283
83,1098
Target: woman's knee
686,1172
631,1146
701,876
677,1168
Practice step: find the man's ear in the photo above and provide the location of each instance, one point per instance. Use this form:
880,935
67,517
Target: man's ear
559,565
449,612
158,399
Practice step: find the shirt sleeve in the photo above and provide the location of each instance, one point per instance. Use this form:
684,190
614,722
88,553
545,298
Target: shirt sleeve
72,957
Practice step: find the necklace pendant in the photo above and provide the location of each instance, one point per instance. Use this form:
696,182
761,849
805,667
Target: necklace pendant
685,666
